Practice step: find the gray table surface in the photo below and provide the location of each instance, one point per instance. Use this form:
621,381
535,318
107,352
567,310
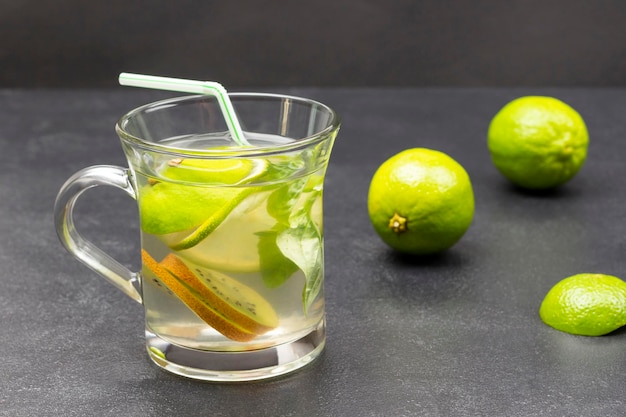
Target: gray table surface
456,334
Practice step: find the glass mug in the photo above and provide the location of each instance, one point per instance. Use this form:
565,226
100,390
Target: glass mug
232,278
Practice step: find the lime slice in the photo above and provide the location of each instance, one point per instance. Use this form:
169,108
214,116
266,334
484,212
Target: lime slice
212,222
233,246
214,171
168,207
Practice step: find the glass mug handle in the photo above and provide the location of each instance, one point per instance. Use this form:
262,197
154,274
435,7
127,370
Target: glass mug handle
85,251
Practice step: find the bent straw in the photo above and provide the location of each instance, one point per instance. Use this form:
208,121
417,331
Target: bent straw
194,87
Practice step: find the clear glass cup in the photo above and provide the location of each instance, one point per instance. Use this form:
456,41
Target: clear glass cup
232,277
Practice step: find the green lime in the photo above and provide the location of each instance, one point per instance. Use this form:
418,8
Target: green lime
214,171
172,204
421,201
166,207
586,304
538,142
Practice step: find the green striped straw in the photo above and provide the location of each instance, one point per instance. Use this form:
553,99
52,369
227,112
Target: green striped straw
194,87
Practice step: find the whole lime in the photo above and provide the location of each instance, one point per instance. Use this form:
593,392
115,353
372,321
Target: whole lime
421,201
586,304
538,142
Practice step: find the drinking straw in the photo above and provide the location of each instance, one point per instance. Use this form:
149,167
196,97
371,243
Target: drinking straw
194,87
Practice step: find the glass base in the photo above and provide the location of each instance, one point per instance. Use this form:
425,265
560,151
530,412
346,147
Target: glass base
236,366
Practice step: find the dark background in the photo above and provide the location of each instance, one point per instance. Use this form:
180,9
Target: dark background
250,43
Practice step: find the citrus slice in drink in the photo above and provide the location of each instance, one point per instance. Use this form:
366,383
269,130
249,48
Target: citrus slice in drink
233,246
214,171
193,192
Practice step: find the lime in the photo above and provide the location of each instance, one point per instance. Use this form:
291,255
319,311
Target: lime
421,201
538,142
166,207
214,171
234,246
172,204
586,304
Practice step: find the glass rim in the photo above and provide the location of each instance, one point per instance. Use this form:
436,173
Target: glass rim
297,143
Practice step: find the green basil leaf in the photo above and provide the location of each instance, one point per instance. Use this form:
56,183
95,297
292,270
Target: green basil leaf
276,268
303,246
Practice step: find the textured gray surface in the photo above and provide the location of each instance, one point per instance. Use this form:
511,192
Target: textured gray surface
451,335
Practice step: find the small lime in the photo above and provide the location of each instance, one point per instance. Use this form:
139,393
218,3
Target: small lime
421,201
538,142
586,304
